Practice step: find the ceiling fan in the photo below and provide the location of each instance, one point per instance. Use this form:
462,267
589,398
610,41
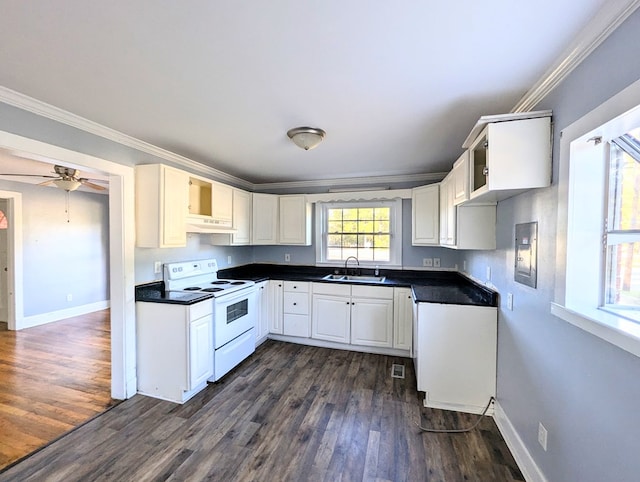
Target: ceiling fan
67,179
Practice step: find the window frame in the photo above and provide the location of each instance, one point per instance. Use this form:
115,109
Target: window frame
395,229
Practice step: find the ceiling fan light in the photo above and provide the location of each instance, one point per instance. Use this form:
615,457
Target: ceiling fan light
67,184
306,137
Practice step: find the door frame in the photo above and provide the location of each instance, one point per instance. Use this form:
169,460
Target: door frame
121,251
15,307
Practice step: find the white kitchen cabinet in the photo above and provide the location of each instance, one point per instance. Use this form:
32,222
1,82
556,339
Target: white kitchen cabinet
372,316
242,212
294,220
425,201
447,212
296,309
460,179
222,202
174,349
331,313
162,205
276,292
262,311
455,355
402,318
510,155
265,219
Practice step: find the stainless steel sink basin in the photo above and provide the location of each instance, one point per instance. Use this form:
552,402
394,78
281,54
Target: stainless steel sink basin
361,279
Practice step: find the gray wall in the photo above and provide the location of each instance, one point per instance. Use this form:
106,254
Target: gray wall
583,389
60,257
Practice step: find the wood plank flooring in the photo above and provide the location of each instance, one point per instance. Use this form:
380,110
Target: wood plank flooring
288,413
52,378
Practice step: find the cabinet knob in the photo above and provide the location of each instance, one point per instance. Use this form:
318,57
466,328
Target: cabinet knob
295,304
347,302
353,303
295,287
485,171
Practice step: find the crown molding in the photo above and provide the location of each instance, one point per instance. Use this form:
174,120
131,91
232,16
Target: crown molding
606,20
49,111
353,181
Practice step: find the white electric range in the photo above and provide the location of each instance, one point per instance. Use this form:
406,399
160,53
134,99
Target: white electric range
234,309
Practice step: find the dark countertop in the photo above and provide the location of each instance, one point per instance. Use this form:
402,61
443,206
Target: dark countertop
155,293
445,287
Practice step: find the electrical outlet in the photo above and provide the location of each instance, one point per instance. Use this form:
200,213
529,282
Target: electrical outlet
69,297
427,262
287,257
510,301
488,273
157,267
436,262
542,436
228,259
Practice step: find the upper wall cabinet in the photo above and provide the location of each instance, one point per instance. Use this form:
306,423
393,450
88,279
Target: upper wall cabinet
509,154
242,213
162,205
460,179
295,220
425,201
265,219
222,203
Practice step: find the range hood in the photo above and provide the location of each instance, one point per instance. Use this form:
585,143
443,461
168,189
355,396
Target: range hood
208,224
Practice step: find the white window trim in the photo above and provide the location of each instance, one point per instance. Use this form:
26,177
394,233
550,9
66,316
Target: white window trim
575,302
396,232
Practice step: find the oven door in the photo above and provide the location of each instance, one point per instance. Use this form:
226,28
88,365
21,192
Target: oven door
234,314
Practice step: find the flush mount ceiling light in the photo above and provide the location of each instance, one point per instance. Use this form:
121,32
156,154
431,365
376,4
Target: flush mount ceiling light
67,184
306,137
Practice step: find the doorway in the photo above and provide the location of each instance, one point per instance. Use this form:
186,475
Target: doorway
4,263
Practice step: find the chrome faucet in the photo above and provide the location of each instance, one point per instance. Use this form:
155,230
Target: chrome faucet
347,261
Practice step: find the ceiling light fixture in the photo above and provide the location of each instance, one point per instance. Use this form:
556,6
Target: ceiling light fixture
306,137
67,184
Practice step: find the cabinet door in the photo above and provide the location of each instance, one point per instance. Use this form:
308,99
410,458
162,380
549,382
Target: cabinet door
330,318
424,215
265,219
241,217
295,220
275,299
200,351
372,322
402,318
444,209
460,175
262,310
221,202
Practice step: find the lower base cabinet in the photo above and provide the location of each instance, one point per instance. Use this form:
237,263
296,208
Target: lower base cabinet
455,355
330,315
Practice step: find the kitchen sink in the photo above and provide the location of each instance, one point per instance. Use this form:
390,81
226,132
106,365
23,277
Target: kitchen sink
356,278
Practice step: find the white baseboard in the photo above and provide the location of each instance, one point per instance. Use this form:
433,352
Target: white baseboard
456,407
340,346
526,464
44,318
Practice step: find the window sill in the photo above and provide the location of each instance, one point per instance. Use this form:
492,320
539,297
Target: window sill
618,331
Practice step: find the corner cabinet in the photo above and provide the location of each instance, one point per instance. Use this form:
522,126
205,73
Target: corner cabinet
162,205
510,154
425,205
242,214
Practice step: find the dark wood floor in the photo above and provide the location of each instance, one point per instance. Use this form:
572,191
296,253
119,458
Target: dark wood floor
289,412
52,378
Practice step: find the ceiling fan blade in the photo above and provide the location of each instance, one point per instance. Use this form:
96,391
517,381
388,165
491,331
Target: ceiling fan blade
87,183
26,175
45,183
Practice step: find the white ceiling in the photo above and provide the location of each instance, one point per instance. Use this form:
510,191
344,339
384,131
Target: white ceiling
396,85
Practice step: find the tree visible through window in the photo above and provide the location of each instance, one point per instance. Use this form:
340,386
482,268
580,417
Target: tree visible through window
361,232
623,224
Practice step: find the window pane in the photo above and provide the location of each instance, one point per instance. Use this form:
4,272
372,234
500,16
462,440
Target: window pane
335,226
335,214
350,214
382,254
382,227
381,241
623,276
334,240
624,189
334,254
350,241
382,214
365,226
350,227
365,213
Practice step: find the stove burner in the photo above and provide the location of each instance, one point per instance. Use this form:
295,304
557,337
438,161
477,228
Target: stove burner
218,282
237,282
192,288
213,290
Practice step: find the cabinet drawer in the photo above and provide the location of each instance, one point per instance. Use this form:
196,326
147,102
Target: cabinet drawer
198,310
296,286
334,289
297,325
379,292
297,303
